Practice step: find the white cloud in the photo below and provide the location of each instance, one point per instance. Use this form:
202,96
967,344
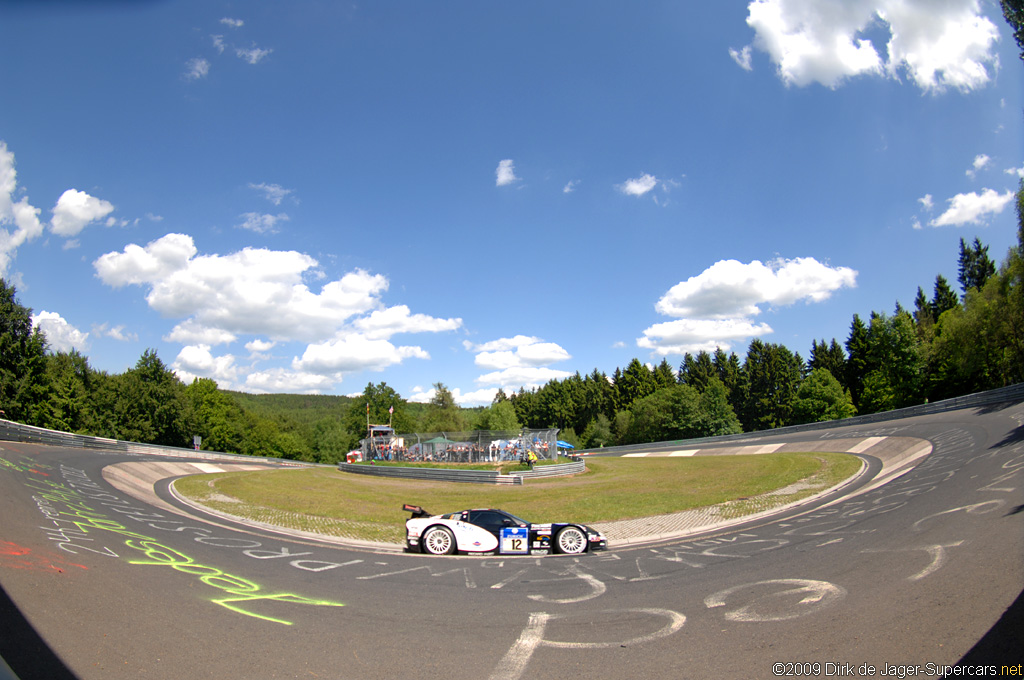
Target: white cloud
980,162
218,43
696,335
290,382
383,323
973,208
260,346
715,308
257,292
196,361
233,23
116,333
23,216
505,174
76,209
60,335
570,186
274,193
530,377
1016,172
353,352
262,224
519,361
927,202
939,45
191,331
742,58
253,55
730,289
197,68
638,186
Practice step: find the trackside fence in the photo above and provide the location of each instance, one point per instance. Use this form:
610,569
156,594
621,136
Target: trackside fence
16,432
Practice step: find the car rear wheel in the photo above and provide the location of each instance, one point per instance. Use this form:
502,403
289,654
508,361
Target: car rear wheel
438,541
571,541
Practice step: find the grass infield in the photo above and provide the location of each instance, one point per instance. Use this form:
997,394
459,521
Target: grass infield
325,500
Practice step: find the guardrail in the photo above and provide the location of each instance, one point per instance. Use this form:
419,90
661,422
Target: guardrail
470,476
432,474
16,432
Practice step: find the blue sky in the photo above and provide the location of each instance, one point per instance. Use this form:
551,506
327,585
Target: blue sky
310,196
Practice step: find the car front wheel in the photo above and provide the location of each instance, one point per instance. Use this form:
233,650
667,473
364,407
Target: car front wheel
571,541
438,541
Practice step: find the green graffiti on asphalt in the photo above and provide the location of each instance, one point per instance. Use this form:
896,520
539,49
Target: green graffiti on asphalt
239,593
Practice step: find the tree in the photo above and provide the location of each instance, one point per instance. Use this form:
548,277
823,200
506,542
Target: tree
821,397
716,415
146,404
697,371
857,363
218,418
975,267
70,381
373,405
443,414
773,374
831,357
1013,12
500,416
22,362
664,376
636,382
895,360
943,297
598,432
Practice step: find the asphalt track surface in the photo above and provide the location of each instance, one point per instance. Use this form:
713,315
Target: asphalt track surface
923,572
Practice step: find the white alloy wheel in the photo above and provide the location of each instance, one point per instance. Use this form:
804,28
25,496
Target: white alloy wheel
438,541
571,541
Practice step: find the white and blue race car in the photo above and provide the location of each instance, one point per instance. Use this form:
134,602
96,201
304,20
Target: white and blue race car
494,532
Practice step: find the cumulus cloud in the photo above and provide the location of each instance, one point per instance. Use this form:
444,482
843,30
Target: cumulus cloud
233,23
197,361
263,293
518,361
973,208
638,186
60,335
505,174
715,308
938,45
23,217
383,323
76,209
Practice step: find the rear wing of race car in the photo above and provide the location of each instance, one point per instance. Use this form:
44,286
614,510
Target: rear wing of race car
416,511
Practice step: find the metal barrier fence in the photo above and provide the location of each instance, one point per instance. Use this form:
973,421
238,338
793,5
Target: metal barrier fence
16,432
478,446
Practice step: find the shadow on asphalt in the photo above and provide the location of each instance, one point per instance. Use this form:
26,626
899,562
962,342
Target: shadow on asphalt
1001,644
22,648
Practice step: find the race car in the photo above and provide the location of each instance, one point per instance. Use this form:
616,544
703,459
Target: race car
494,532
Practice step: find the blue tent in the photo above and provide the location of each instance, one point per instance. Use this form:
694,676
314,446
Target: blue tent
564,445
